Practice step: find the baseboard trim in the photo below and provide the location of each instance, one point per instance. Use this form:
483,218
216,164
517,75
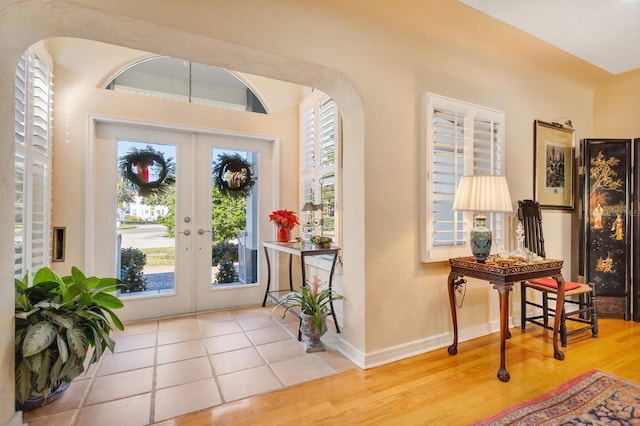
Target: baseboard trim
355,355
418,347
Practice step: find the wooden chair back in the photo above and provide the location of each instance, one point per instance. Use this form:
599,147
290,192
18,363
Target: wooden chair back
531,217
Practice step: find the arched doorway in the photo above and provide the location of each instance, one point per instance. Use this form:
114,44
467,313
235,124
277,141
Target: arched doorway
33,21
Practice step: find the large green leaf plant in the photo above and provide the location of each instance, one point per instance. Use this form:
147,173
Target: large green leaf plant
58,320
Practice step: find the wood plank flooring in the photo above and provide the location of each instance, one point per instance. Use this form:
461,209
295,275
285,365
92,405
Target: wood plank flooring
436,388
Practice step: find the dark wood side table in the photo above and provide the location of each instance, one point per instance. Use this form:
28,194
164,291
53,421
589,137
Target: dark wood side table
503,279
303,251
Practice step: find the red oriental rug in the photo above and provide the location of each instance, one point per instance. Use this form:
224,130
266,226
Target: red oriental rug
593,398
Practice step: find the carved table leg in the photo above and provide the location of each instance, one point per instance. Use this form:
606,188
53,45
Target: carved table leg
452,283
503,292
557,353
508,332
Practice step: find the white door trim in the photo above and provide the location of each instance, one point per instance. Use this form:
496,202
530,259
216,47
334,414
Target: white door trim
90,251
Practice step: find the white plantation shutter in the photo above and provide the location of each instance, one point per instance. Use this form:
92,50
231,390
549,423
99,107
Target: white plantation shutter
33,118
327,137
448,165
308,138
460,139
488,154
19,222
39,226
319,142
21,100
41,118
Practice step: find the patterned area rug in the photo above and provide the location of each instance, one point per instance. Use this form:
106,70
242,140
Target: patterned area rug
594,398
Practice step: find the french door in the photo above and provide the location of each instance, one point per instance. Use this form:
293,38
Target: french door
163,225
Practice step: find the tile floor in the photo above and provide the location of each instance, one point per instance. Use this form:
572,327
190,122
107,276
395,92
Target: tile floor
165,368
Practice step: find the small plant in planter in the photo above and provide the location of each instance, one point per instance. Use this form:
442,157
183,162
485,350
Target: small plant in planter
58,321
314,301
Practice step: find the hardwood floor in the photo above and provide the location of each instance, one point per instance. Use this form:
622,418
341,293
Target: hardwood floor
436,388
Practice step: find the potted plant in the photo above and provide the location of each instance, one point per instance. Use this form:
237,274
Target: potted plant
314,301
57,320
285,220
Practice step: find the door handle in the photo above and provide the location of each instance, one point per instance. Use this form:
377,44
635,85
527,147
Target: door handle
186,232
202,231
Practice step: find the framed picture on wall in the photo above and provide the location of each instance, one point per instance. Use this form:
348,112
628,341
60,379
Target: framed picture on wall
553,165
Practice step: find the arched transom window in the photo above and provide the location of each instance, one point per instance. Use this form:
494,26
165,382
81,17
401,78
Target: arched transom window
177,79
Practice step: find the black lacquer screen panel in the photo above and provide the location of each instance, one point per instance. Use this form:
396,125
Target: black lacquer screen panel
607,217
635,229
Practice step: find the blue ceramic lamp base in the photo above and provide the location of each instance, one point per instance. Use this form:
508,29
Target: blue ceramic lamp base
480,239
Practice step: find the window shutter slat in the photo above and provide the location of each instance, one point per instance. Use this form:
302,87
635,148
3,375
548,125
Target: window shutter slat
41,105
327,133
308,156
19,228
21,100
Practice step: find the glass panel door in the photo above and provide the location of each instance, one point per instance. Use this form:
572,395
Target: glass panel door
238,181
177,223
141,180
145,213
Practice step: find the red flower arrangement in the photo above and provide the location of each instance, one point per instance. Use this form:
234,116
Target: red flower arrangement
285,218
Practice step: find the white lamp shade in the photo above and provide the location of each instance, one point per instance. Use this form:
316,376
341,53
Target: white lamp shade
483,193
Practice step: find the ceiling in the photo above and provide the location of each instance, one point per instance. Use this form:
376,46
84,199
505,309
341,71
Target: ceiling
605,33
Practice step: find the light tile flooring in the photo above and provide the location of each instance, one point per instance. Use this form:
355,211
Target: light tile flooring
169,367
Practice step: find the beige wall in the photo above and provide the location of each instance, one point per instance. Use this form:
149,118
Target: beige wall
375,59
616,107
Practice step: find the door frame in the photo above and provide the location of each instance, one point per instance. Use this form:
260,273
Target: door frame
107,268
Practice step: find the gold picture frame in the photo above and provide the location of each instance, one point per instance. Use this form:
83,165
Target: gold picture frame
554,165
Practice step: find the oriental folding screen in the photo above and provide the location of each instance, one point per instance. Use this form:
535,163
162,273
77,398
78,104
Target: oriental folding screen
610,223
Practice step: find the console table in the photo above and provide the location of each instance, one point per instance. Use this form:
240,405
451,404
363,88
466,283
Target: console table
302,250
502,279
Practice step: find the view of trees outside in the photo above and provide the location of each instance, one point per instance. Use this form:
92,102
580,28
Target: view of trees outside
229,215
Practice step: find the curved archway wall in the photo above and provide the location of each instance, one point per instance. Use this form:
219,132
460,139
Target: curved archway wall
375,59
35,21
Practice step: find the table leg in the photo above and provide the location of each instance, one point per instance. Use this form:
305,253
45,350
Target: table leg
557,353
291,273
503,292
333,311
266,293
507,332
452,283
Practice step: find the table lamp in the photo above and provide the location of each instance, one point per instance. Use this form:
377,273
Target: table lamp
309,225
482,193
